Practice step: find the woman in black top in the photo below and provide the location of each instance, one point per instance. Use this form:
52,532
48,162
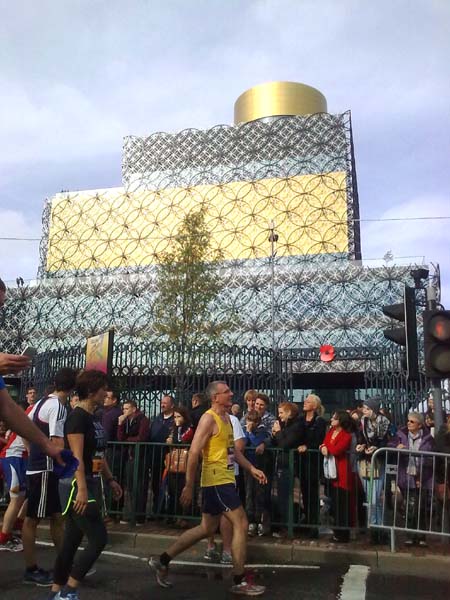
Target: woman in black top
81,497
310,462
287,434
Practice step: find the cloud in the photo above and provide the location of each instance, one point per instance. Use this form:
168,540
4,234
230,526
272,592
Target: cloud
422,241
77,77
57,123
18,258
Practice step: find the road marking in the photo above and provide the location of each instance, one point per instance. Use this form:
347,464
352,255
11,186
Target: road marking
354,583
192,563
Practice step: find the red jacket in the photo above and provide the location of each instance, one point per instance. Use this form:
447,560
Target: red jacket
339,447
135,429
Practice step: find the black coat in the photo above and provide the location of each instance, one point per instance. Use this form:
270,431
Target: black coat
291,435
315,431
443,445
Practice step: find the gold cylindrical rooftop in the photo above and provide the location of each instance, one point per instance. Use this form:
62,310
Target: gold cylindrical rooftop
278,98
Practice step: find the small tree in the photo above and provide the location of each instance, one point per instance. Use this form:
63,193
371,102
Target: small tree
188,284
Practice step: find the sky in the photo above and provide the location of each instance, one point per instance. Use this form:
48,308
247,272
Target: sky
77,76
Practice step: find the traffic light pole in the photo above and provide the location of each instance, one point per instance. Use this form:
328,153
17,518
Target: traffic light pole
436,389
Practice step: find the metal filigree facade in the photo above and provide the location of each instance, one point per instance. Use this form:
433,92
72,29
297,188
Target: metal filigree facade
292,175
338,304
294,172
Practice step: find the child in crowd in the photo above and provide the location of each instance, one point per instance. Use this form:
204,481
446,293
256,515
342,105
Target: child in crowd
181,433
255,434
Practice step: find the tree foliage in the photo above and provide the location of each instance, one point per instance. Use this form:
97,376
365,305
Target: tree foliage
188,283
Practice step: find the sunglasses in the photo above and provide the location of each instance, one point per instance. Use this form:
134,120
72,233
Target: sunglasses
412,421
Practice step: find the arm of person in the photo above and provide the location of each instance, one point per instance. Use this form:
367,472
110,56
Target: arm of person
56,418
204,431
13,363
187,436
121,428
321,431
109,479
247,465
18,421
76,444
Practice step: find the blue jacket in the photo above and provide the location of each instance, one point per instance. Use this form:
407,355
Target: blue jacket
254,439
160,429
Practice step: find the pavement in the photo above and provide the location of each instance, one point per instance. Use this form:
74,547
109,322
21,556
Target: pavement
155,536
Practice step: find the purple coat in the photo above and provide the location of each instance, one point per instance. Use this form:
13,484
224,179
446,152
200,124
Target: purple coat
110,418
424,465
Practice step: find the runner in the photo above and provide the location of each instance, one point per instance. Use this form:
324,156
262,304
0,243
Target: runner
214,438
14,460
49,415
82,496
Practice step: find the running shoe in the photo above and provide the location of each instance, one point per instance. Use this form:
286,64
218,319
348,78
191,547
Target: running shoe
72,595
252,529
248,588
12,545
38,577
212,554
226,558
161,572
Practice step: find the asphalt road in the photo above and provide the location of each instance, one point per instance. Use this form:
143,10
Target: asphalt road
120,578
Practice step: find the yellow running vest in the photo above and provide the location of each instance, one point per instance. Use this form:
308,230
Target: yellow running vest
218,455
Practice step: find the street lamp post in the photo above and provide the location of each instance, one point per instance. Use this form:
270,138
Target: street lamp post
273,239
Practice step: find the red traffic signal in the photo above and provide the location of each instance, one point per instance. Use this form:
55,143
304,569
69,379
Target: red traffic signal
327,353
436,335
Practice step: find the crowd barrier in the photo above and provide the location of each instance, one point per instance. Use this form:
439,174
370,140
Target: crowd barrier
415,498
296,498
400,492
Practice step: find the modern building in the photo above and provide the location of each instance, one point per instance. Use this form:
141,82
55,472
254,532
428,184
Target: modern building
279,194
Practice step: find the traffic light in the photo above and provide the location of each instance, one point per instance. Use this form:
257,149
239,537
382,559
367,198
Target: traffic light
406,335
436,339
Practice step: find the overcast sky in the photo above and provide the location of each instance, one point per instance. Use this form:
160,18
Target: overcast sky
76,76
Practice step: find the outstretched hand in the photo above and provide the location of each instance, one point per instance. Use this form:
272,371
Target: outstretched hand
54,452
13,363
258,475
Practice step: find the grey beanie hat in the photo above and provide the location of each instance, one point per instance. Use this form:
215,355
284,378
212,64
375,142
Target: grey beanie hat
373,403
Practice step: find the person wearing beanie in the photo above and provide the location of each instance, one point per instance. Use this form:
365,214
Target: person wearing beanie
373,434
373,404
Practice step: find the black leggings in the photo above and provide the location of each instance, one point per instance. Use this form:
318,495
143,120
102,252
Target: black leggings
91,525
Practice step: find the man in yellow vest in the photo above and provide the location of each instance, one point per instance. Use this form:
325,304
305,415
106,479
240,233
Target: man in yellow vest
214,441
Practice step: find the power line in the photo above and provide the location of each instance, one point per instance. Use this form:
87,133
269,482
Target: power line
329,221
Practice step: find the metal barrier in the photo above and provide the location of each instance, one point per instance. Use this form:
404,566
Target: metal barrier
296,497
415,495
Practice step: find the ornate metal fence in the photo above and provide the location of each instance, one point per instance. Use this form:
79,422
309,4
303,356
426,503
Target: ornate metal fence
142,371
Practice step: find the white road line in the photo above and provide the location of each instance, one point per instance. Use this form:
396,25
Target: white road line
252,566
354,583
188,563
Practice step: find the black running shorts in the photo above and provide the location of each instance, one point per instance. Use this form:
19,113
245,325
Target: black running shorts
218,499
43,495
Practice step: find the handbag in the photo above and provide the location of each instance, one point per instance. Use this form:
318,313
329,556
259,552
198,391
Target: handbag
329,467
176,460
364,468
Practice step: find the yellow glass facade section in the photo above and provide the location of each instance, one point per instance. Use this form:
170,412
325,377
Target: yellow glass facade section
113,228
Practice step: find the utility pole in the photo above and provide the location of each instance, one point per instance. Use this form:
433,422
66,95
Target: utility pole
436,389
273,239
